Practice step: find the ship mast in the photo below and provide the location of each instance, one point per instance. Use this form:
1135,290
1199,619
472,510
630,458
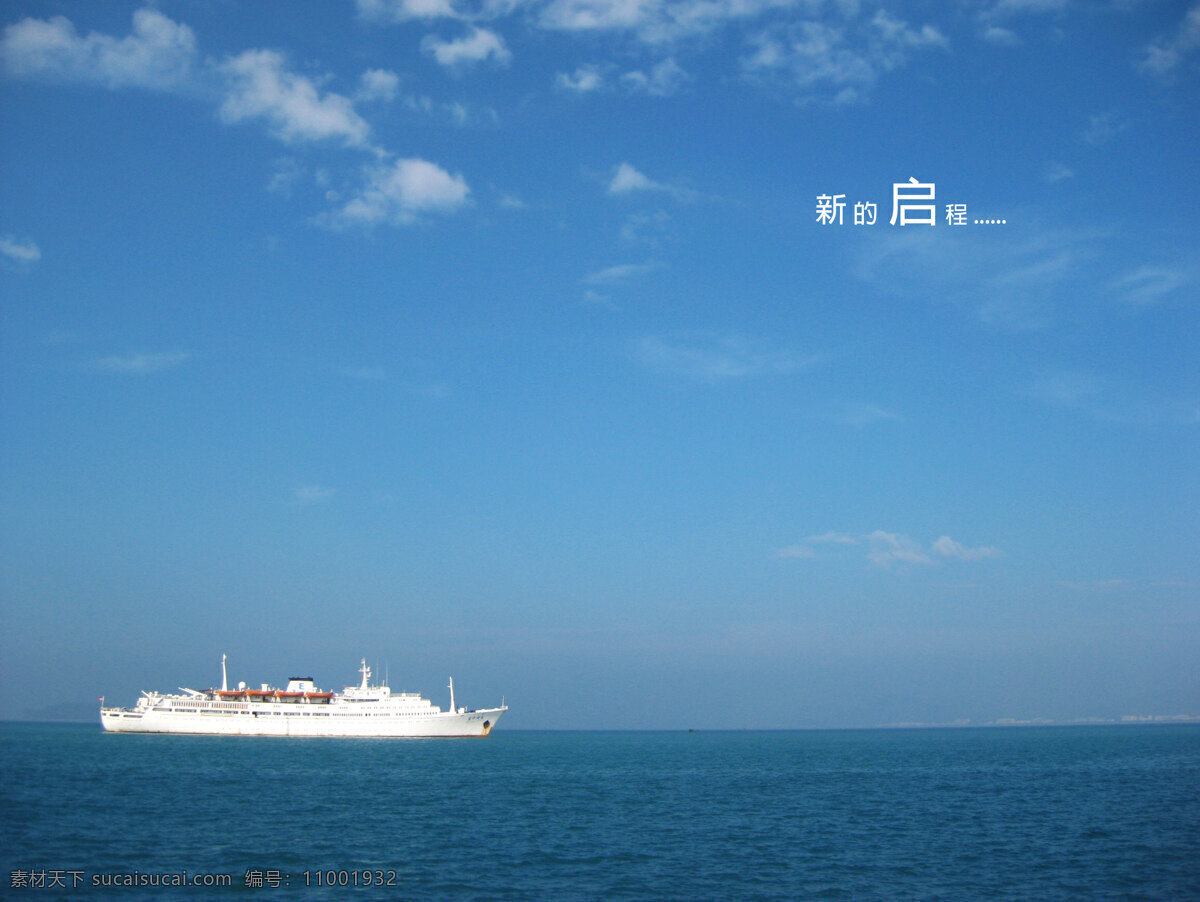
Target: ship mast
224,677
366,672
452,708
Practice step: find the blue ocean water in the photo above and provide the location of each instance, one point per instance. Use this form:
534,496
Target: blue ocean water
1032,813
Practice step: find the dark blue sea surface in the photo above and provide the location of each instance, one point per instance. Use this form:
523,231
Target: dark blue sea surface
1031,813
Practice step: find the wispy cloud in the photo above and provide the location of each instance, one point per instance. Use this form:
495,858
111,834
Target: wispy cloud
1150,285
838,61
396,11
661,80
19,251
141,364
596,299
999,18
888,549
621,272
866,415
312,494
948,548
1001,36
1016,7
627,179
159,55
646,228
1053,173
378,375
1069,389
1014,280
1107,400
713,359
287,172
834,538
652,21
1164,56
1103,127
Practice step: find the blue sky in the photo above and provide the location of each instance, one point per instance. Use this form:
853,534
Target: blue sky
503,340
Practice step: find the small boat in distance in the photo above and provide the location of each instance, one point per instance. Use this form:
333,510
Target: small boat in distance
299,710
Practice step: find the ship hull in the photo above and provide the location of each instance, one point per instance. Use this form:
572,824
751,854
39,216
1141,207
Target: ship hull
331,722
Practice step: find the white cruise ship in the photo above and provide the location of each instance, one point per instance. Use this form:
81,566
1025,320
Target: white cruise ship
299,710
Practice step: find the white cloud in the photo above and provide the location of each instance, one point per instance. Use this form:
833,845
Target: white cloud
1149,285
596,299
1103,127
947,547
1053,173
20,251
1165,55
1107,400
598,15
141,364
159,55
885,549
894,35
1014,277
456,113
619,273
584,80
645,228
378,84
1013,7
814,56
1004,37
260,87
405,10
838,61
398,192
716,359
627,179
866,414
663,79
994,12
479,45
652,21
287,172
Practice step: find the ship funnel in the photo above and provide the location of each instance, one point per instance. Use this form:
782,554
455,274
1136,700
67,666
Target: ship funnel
224,676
